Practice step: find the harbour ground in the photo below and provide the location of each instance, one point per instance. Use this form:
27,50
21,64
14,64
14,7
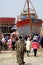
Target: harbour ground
9,58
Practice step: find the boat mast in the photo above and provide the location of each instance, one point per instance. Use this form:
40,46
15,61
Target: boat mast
28,9
29,15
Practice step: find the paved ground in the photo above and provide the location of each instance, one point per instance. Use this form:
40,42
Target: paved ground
9,58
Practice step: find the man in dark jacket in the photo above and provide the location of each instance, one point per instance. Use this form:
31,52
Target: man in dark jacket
20,50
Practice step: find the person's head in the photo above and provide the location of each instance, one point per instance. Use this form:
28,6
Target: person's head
28,38
21,37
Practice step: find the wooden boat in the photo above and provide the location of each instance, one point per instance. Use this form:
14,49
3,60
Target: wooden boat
28,22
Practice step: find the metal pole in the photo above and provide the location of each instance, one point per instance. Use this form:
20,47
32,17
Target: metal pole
29,16
28,8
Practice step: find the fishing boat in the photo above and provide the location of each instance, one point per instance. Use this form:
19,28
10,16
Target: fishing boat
28,23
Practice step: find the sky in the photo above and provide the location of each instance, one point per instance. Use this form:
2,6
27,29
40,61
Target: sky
13,8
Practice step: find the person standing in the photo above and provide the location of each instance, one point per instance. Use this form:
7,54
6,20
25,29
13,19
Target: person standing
20,50
0,43
13,42
9,43
41,42
35,46
3,41
28,46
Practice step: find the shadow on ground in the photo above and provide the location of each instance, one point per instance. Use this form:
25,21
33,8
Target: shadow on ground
28,64
34,56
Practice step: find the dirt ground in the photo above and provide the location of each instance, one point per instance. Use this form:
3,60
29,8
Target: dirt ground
9,58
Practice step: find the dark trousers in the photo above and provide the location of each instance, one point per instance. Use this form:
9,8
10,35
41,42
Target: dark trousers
28,52
35,52
0,46
13,45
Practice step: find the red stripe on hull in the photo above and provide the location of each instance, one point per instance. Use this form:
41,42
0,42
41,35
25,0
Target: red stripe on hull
23,23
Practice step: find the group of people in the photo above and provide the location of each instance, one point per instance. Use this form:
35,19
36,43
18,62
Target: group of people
7,42
25,45
21,45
